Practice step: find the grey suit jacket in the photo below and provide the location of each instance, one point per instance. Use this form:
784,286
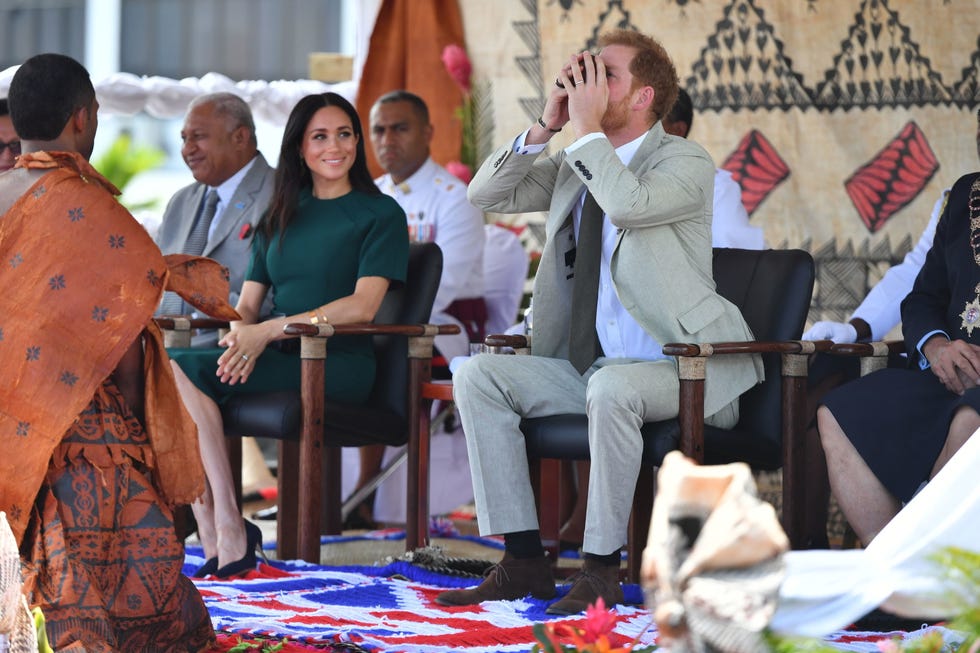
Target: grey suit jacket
229,245
661,266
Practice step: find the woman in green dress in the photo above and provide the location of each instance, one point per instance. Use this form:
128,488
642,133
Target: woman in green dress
328,249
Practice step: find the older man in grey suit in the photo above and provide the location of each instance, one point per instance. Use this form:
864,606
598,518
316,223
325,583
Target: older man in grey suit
221,150
628,275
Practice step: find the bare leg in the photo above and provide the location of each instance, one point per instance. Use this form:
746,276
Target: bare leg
964,423
866,503
219,520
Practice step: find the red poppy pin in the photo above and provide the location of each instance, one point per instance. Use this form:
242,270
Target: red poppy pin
245,232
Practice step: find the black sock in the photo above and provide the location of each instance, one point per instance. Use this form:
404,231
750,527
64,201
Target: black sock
524,544
608,560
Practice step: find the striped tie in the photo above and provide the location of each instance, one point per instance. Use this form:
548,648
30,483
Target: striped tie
172,303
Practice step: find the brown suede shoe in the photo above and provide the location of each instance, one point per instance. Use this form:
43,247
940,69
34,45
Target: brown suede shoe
509,579
593,581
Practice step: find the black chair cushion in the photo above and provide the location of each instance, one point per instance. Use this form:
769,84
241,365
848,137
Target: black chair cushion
279,415
772,288
546,436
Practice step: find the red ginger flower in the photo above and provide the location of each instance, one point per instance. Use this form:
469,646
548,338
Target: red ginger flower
598,621
458,66
599,624
460,170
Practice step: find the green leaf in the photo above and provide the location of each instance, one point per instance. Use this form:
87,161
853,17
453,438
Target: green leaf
242,647
275,647
124,160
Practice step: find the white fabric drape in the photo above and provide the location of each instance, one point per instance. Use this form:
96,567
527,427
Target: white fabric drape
161,97
828,590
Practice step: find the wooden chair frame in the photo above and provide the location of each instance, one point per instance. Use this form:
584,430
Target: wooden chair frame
316,483
692,362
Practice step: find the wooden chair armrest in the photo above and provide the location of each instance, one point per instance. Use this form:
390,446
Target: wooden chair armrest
504,340
873,355
420,335
177,328
179,321
503,343
880,348
692,359
705,349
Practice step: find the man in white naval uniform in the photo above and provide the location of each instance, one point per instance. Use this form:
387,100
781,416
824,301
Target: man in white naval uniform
435,204
437,210
879,312
877,315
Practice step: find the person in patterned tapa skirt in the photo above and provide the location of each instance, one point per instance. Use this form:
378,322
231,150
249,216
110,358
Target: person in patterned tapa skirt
97,446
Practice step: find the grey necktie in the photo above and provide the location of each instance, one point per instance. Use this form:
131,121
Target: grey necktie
197,239
582,339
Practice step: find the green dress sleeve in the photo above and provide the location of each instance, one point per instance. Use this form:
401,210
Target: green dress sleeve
257,270
384,251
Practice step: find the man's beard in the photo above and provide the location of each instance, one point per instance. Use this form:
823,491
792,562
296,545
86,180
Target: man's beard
616,116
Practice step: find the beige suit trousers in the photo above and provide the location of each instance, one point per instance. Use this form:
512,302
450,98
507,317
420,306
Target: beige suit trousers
494,392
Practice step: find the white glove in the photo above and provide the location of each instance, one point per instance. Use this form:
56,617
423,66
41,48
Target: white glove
839,332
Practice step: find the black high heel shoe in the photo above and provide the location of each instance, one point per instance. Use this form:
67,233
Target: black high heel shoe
253,543
209,567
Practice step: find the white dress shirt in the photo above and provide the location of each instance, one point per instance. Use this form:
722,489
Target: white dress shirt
225,192
730,221
435,204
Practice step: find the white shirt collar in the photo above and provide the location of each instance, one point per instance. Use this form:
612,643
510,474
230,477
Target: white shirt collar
626,151
421,178
227,189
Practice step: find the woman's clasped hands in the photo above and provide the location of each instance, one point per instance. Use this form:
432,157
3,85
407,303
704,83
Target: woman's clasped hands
244,344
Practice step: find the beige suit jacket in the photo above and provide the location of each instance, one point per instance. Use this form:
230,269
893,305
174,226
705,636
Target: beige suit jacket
661,265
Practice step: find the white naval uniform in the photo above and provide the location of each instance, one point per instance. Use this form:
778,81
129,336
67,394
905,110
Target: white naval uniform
881,309
437,210
730,223
435,204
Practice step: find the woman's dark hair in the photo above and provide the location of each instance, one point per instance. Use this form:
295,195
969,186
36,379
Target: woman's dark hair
292,175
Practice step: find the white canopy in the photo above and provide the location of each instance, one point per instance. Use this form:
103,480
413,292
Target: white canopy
161,97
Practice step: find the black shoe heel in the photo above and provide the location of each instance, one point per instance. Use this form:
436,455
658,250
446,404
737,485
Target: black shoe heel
253,539
253,543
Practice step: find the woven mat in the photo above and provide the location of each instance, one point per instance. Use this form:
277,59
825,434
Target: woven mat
391,607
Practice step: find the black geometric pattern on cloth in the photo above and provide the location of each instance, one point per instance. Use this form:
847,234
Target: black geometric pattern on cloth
743,65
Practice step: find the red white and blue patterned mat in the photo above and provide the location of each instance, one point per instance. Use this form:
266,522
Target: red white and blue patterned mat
392,608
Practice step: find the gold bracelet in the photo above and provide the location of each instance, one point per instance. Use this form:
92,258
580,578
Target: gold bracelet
314,318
